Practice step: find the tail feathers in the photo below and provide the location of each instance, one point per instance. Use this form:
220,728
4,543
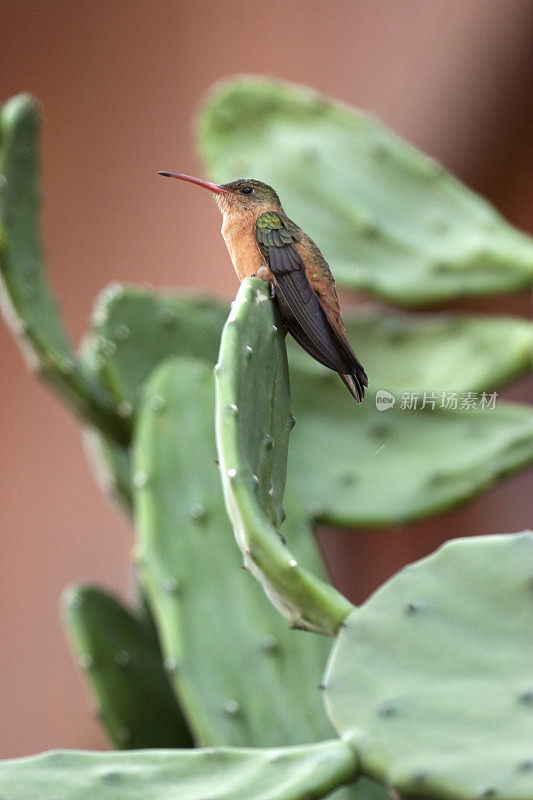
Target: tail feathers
355,382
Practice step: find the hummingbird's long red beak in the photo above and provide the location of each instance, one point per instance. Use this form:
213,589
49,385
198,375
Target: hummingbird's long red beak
213,187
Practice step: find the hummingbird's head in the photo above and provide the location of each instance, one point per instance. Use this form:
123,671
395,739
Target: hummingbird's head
249,195
244,194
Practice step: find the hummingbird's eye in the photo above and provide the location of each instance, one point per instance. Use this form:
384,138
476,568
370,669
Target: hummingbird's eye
246,190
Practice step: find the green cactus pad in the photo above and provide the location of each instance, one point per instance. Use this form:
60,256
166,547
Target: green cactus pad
123,665
389,220
296,773
430,681
360,466
253,422
206,607
25,297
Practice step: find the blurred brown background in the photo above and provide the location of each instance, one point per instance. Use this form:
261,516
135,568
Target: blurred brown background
119,82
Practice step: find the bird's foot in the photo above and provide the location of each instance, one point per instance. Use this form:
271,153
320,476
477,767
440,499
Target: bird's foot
264,273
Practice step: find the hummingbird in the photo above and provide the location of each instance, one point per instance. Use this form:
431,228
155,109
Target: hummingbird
263,242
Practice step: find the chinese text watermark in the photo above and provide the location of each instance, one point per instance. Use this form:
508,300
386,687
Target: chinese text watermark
451,401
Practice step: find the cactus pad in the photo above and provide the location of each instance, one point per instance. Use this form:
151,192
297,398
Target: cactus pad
390,220
123,664
253,422
25,296
296,773
430,680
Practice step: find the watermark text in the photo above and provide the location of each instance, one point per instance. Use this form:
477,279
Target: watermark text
451,401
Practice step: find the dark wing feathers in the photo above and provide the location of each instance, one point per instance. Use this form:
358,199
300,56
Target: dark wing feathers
300,332
284,259
300,307
306,319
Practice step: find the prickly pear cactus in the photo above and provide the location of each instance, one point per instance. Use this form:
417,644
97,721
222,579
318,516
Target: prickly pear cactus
25,296
253,422
294,773
121,659
456,245
390,220
430,681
